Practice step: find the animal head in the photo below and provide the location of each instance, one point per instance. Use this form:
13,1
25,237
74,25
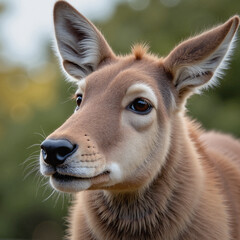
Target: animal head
120,133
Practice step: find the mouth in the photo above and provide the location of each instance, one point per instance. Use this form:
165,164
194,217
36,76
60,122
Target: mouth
68,178
71,184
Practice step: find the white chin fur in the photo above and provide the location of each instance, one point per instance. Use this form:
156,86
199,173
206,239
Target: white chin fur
70,186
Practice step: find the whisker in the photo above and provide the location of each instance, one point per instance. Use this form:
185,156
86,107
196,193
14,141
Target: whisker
30,165
49,196
57,198
63,198
35,156
35,153
35,169
34,145
40,134
39,183
47,187
44,184
43,133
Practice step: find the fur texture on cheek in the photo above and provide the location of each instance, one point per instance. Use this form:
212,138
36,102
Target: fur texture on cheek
131,156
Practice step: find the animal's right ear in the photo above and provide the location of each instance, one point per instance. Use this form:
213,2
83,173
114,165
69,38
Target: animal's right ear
80,44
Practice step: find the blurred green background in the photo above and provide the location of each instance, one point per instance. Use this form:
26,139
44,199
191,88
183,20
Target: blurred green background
33,102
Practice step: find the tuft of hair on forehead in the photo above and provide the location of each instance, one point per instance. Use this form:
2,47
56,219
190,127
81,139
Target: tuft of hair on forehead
139,50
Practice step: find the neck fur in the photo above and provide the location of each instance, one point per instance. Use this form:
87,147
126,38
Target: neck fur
168,203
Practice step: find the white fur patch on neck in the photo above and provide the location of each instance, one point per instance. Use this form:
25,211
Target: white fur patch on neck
115,172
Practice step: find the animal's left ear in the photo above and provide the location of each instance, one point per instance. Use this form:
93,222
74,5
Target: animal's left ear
197,62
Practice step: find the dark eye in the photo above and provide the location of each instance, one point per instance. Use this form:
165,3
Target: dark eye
140,106
78,101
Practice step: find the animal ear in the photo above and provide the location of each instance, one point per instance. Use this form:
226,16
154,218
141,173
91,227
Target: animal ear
197,62
81,46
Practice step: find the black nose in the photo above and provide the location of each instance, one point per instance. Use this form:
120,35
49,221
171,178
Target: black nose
55,152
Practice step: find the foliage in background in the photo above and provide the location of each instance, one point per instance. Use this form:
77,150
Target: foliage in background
39,101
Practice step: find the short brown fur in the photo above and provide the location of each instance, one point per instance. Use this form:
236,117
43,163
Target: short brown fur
155,176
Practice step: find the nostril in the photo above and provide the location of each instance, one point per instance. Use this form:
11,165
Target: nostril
55,152
62,152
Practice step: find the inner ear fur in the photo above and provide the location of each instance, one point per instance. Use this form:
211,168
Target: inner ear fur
81,46
197,62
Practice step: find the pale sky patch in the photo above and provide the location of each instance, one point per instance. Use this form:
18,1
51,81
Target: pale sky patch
27,25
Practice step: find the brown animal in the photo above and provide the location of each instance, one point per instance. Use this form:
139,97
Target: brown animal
149,171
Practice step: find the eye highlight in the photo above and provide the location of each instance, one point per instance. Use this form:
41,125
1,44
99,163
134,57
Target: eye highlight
78,101
140,106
